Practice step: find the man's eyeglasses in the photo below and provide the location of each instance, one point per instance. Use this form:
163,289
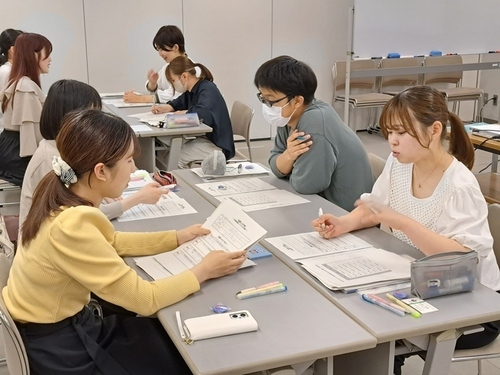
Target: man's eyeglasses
269,103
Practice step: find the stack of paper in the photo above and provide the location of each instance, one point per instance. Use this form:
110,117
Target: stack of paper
486,130
251,194
149,118
230,230
345,263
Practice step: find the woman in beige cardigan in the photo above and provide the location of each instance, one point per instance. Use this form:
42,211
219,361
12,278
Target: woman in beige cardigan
22,102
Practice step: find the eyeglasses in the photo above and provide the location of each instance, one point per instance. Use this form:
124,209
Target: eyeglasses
269,103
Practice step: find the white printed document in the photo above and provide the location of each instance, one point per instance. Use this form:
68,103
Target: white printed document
237,186
231,230
120,103
149,117
307,245
170,204
358,268
261,200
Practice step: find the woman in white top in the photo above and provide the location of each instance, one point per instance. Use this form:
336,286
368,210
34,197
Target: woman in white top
22,102
7,39
169,42
426,194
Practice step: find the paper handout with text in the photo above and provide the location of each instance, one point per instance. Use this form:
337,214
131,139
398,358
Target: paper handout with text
345,262
231,230
307,245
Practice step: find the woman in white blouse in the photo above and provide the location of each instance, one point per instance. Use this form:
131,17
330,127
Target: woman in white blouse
22,103
426,194
169,42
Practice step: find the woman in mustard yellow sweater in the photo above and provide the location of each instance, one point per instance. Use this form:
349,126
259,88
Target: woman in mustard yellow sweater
69,249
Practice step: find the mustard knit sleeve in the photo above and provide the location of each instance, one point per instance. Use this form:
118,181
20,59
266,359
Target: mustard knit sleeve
85,248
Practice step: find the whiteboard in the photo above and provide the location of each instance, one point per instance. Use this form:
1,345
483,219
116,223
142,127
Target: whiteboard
410,27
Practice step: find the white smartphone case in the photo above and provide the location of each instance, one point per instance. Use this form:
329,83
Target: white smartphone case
230,323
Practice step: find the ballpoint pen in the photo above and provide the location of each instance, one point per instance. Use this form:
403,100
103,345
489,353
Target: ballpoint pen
179,325
410,309
320,213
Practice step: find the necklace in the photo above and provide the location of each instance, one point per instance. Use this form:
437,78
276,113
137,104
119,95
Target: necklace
419,184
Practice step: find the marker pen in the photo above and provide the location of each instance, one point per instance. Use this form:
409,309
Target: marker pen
386,306
259,293
272,283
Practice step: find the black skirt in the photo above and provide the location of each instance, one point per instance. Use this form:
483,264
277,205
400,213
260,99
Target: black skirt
87,344
12,166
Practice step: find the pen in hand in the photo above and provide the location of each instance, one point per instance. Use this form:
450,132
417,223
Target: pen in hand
320,213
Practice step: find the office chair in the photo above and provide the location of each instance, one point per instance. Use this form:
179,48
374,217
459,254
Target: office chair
491,350
371,99
17,359
457,93
377,164
241,118
10,197
389,83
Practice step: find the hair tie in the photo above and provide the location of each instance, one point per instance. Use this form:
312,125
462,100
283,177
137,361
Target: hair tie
197,70
64,171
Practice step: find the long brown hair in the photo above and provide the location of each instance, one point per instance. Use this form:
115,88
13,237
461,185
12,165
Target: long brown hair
87,137
27,56
183,64
422,106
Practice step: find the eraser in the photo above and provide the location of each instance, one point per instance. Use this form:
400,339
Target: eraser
435,53
393,55
400,295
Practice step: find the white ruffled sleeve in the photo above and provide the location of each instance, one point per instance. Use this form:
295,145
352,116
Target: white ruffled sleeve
464,219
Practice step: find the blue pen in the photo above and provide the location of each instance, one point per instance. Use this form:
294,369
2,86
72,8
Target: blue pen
387,306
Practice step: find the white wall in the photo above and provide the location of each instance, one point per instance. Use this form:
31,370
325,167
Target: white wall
108,44
119,40
61,21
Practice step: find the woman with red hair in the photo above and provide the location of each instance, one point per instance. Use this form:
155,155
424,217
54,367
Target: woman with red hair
22,100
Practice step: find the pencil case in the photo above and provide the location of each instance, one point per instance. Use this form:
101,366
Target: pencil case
209,326
444,273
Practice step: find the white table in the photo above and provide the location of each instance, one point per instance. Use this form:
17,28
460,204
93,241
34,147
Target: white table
174,137
296,326
436,332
